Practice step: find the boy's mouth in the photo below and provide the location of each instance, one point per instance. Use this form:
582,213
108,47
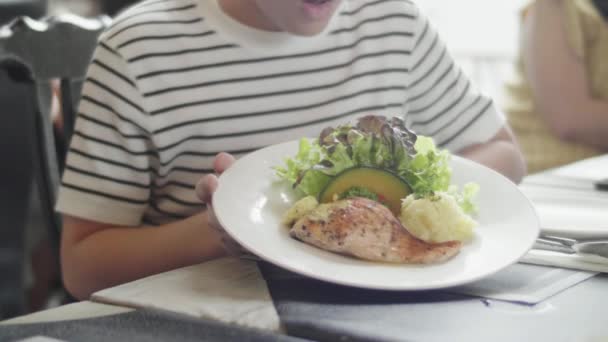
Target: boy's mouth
318,9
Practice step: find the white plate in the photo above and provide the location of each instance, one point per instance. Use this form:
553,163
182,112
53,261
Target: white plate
250,202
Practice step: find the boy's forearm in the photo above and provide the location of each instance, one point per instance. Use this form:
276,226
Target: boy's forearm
117,255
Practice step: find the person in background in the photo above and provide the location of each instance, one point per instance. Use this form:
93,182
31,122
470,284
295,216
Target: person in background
558,103
175,82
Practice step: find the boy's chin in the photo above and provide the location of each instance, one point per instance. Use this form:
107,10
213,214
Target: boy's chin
306,30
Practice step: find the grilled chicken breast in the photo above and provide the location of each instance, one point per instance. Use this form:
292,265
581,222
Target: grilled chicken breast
368,230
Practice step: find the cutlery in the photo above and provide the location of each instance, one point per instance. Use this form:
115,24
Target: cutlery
602,184
572,246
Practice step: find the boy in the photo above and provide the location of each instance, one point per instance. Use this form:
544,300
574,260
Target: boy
174,82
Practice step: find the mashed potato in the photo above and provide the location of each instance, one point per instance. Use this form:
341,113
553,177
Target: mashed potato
300,209
436,219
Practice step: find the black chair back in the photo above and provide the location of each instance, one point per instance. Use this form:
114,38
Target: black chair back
33,53
10,9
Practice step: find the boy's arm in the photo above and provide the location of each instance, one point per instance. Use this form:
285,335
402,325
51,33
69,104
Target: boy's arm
558,79
501,153
95,256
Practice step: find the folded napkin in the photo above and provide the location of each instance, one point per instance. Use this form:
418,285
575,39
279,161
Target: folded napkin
567,202
594,169
229,290
566,209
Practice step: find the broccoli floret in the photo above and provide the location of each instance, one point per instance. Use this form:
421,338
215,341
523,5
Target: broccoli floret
357,191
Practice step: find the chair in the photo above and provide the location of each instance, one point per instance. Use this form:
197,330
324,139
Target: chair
32,54
10,9
11,240
113,7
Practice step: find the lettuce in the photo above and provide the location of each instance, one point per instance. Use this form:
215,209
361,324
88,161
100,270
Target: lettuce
466,197
429,170
374,142
312,183
309,154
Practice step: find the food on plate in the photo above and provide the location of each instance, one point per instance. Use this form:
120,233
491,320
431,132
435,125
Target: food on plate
436,219
370,182
368,230
300,209
379,179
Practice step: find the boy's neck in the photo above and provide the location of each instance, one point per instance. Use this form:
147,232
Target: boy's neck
247,13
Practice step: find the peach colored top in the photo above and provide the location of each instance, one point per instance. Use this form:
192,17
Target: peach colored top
588,37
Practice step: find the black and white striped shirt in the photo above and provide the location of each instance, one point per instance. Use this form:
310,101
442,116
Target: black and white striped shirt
173,82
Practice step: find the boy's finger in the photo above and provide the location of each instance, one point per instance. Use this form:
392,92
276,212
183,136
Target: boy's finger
205,188
231,246
222,161
213,219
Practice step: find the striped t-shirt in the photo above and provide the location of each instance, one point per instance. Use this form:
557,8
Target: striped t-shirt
173,82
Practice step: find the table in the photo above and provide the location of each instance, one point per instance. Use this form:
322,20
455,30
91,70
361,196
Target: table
88,321
314,310
577,314
80,310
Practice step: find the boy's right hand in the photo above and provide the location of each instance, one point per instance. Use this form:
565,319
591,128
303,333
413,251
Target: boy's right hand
205,189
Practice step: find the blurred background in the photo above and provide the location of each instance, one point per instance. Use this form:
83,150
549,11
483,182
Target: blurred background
481,35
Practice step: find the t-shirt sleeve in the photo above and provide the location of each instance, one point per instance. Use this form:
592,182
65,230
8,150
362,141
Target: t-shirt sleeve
108,170
442,102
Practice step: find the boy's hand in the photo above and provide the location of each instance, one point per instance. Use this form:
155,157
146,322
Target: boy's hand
205,188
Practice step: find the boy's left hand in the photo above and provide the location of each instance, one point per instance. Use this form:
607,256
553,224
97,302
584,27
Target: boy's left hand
205,189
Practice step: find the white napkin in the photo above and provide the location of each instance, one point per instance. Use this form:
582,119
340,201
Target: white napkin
229,290
595,168
578,213
521,283
566,201
568,205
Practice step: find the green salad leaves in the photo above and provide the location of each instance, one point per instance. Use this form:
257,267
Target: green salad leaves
374,142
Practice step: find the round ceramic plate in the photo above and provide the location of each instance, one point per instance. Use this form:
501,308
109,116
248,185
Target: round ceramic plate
250,202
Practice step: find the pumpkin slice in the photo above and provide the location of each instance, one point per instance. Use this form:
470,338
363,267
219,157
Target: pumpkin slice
390,188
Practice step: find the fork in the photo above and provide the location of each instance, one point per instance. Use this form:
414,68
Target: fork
572,246
555,243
